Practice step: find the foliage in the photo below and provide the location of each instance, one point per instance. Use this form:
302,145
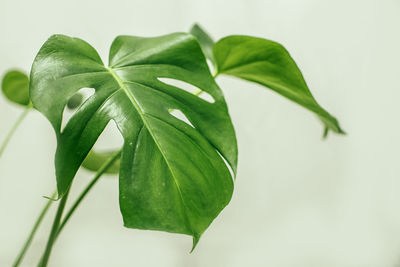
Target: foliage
264,62
176,173
15,86
167,167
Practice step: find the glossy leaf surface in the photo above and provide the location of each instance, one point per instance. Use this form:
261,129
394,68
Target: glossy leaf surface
268,63
172,175
15,86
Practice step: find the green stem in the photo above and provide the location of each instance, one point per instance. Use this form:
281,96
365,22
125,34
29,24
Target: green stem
199,91
27,243
54,230
99,173
14,128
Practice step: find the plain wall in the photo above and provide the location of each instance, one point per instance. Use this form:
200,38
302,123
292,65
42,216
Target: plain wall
299,200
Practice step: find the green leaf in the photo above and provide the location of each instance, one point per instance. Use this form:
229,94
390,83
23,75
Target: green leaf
172,175
95,160
15,87
205,41
75,101
268,63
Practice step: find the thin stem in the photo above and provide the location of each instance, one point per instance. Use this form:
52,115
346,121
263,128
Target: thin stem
54,230
99,173
28,242
199,91
14,128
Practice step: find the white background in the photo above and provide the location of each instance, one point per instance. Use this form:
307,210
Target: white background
299,201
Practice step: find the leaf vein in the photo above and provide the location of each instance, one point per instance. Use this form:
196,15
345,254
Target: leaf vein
142,116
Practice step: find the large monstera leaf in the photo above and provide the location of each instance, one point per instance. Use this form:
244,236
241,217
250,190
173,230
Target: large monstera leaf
173,175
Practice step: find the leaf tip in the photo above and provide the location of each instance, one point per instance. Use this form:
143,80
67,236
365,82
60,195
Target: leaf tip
338,131
194,26
341,131
326,132
196,239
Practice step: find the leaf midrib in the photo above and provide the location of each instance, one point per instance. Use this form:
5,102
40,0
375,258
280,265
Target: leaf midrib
142,116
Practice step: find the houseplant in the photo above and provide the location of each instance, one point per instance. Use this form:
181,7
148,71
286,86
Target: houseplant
179,157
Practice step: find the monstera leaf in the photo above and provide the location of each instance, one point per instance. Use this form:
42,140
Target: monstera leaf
15,86
173,175
268,63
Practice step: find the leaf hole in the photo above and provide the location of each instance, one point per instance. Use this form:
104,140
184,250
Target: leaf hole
207,97
210,65
74,103
180,116
227,165
110,139
190,88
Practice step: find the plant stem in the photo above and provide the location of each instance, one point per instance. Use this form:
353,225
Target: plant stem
99,173
14,128
27,243
54,230
198,92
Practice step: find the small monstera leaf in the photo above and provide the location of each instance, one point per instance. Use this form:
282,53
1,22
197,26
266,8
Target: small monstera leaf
15,86
172,175
268,63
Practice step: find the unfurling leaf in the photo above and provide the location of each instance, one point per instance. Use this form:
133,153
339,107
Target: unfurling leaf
268,63
172,174
15,87
205,41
